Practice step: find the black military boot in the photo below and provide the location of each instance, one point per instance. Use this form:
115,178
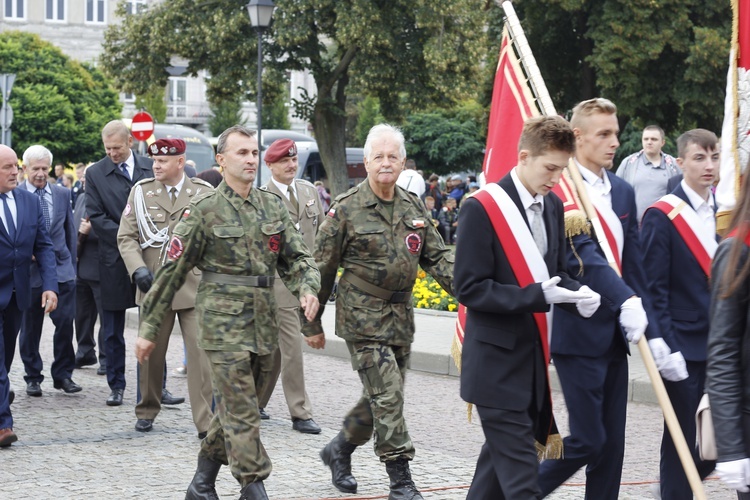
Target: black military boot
254,491
402,487
338,456
203,486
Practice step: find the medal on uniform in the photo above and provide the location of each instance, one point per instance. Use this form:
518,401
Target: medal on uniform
150,194
310,202
158,191
189,191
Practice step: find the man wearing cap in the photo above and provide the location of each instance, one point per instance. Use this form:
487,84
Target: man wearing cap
154,208
306,211
410,179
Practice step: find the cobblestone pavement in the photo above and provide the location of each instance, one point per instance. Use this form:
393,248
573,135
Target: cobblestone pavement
73,446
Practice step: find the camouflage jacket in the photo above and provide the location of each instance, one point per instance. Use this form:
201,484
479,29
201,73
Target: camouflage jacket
221,232
356,234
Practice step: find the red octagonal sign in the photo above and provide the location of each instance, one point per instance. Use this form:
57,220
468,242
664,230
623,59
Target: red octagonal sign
142,126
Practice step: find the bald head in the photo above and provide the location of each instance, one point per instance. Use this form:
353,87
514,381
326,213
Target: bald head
8,169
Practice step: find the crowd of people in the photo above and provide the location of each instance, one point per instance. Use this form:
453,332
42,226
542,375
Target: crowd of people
247,272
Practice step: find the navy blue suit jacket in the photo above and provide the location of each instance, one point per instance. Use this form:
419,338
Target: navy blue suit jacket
32,239
63,234
679,288
573,335
501,345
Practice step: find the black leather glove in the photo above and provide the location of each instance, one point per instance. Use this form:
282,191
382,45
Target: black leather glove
143,279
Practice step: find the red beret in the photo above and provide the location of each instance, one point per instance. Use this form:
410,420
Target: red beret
167,147
280,148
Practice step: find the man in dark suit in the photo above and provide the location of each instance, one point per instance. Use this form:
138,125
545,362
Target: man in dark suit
22,237
505,353
108,184
58,219
678,278
590,356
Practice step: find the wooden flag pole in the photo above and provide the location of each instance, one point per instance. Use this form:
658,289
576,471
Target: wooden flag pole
540,90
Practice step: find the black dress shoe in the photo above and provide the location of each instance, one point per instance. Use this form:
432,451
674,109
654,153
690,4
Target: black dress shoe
87,360
102,370
33,389
263,414
168,399
144,424
68,386
115,397
307,426
11,396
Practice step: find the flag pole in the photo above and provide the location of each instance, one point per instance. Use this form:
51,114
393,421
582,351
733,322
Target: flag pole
540,90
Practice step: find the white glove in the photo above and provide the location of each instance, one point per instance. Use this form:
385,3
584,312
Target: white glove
554,294
633,319
736,474
674,368
660,351
588,306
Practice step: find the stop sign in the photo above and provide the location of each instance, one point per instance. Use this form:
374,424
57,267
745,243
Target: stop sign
142,126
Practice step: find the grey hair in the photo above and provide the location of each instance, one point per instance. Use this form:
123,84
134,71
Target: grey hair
36,152
116,128
381,130
221,145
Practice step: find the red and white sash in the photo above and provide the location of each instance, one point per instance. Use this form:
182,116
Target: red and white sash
690,228
518,244
610,223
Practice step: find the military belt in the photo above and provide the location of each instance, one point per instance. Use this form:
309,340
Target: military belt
376,291
236,279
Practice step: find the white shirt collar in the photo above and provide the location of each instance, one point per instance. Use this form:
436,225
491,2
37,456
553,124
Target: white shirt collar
284,188
178,185
594,180
695,199
526,199
32,188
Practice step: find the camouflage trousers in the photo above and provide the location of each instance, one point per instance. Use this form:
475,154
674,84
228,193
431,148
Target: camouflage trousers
380,411
234,433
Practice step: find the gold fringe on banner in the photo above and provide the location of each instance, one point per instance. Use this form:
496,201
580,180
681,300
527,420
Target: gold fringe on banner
553,450
576,223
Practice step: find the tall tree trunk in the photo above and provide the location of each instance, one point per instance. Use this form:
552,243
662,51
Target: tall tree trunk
329,121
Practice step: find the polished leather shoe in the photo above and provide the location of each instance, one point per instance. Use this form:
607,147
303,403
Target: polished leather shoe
87,360
144,424
168,399
68,386
263,414
115,397
102,370
7,437
33,389
11,396
254,491
307,426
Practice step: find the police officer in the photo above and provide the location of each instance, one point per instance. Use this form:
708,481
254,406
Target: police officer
153,210
239,237
380,234
306,211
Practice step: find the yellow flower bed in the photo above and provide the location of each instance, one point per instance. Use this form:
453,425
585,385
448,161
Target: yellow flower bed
428,294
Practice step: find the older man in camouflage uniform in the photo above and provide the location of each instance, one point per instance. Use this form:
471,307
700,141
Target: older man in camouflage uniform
238,237
380,234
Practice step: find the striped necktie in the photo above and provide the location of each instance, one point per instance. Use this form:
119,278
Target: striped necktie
45,206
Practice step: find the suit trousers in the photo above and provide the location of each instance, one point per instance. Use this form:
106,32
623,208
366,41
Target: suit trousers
685,396
596,395
62,341
10,323
113,324
151,373
88,307
288,361
507,465
234,434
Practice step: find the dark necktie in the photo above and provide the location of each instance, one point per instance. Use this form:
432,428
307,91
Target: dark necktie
124,169
537,228
11,226
173,194
45,207
292,198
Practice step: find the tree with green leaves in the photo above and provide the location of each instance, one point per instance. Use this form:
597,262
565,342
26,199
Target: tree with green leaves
410,54
154,103
224,115
56,101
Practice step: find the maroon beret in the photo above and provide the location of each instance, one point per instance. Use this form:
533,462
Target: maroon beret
280,148
167,147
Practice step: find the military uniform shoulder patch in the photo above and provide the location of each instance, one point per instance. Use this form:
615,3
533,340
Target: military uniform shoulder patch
176,248
304,182
348,193
143,182
203,195
196,180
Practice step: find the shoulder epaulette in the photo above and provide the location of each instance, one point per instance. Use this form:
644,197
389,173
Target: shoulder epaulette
304,182
264,189
347,194
202,196
198,180
144,181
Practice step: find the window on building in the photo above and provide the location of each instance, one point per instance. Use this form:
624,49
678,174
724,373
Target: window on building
55,10
135,6
95,11
129,97
177,98
15,9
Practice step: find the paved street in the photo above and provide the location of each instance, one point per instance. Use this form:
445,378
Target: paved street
73,446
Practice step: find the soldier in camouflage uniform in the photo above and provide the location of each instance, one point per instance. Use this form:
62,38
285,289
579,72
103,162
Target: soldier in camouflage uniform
238,237
380,234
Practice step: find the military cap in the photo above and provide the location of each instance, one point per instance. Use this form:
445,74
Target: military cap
167,147
281,148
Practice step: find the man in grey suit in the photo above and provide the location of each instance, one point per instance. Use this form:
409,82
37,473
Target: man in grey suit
306,211
58,219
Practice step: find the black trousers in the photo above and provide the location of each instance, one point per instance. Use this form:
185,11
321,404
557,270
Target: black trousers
88,307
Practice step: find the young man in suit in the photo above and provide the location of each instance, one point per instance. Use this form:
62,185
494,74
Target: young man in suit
509,270
591,356
108,183
679,238
58,218
23,237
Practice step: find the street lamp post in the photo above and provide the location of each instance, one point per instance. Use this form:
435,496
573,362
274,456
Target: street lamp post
260,12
